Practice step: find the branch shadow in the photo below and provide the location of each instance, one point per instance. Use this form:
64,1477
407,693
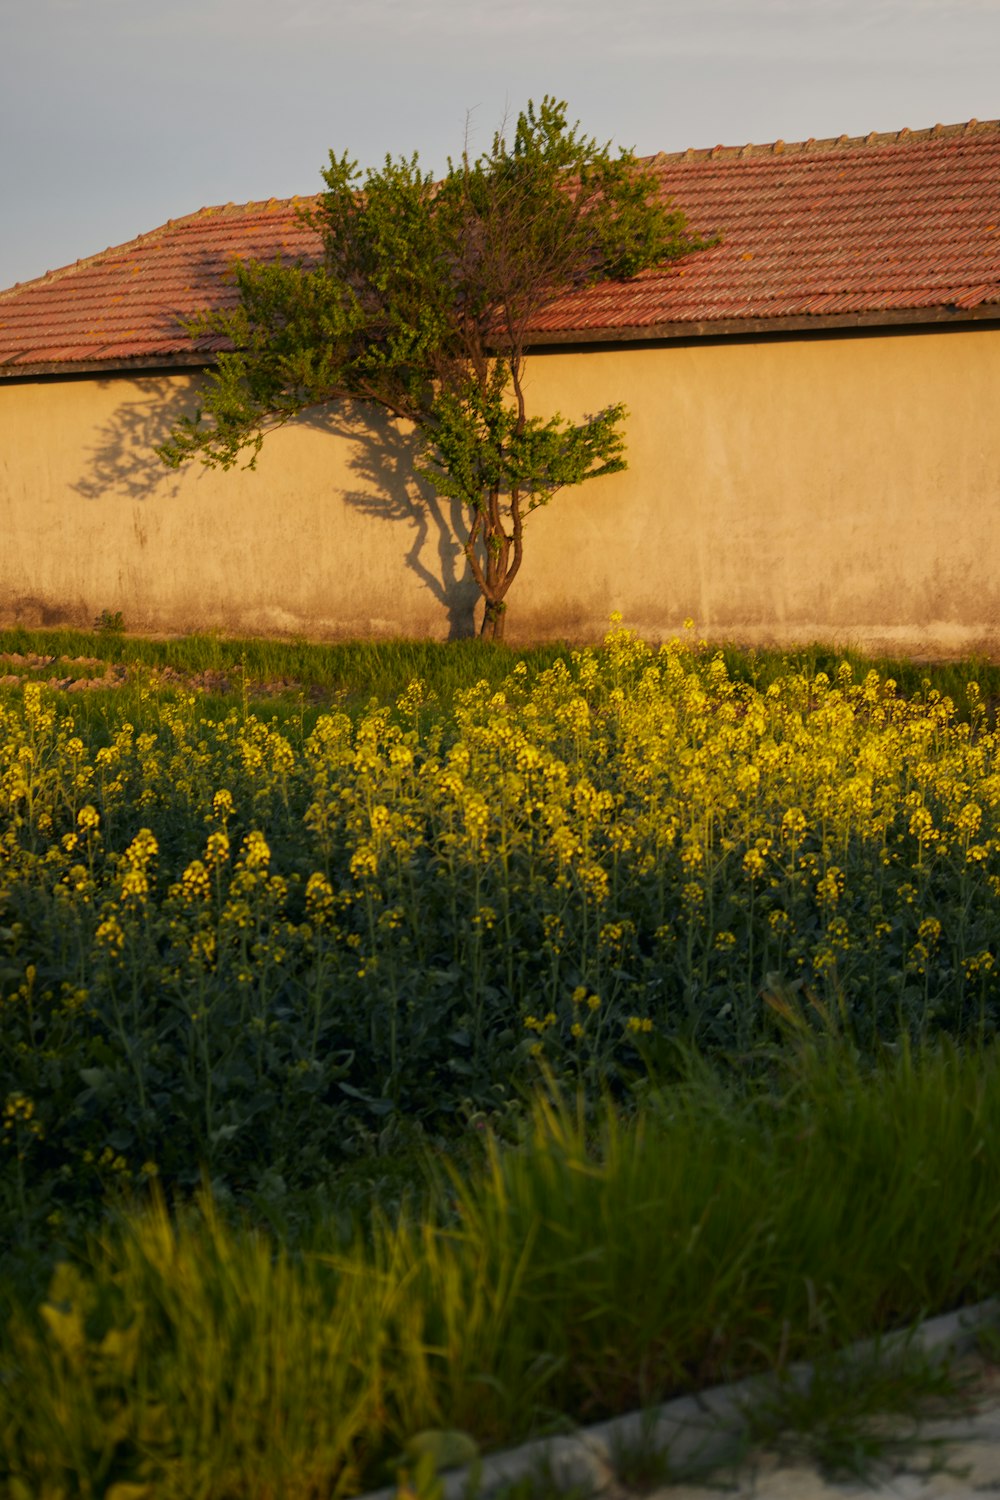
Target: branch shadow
122,461
382,456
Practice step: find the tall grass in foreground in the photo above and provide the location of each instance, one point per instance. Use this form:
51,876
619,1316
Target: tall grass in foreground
587,1270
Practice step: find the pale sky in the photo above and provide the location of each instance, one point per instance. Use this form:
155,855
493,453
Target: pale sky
116,115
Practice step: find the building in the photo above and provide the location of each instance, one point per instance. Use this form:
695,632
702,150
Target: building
813,441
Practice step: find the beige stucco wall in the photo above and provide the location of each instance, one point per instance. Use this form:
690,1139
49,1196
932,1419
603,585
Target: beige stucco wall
843,489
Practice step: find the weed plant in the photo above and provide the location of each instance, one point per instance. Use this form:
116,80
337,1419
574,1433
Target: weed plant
862,1416
598,1264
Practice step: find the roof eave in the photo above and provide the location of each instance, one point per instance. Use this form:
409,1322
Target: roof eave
799,323
930,317
118,366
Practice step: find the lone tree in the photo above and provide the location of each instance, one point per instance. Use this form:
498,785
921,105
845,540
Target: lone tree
422,303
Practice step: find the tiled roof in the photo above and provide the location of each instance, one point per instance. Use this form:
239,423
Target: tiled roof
883,228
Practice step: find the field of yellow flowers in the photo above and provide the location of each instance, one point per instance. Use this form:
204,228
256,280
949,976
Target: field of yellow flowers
561,922
249,951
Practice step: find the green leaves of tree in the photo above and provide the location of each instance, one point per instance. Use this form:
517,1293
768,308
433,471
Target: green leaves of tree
480,446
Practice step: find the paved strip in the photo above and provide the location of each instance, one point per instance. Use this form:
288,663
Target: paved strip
706,1434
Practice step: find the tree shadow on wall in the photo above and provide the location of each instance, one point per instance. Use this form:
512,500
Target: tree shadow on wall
389,489
122,462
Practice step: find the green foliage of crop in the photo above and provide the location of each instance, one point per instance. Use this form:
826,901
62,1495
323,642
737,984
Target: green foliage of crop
256,950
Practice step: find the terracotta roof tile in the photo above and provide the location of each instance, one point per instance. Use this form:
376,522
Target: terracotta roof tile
862,229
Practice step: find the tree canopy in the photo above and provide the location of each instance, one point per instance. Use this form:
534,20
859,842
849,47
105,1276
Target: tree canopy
421,302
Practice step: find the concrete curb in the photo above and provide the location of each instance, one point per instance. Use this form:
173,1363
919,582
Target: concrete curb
703,1430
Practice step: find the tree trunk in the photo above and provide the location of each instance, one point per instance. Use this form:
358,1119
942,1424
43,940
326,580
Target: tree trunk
495,573
493,621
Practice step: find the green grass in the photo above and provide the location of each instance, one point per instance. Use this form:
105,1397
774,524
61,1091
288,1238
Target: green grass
350,671
284,684
602,1264
355,671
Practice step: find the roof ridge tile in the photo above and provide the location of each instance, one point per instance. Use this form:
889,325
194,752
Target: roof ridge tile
873,140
